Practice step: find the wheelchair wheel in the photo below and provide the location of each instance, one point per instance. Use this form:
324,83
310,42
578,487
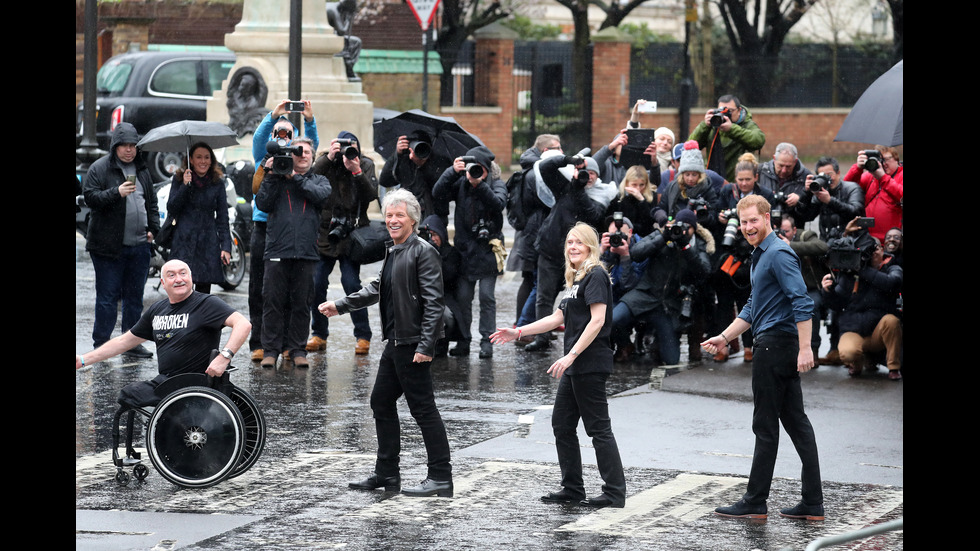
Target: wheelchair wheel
195,437
254,430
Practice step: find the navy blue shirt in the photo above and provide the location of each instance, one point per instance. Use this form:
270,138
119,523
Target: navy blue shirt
779,299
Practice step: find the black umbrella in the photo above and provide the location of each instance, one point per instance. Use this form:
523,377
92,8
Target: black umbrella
446,137
877,116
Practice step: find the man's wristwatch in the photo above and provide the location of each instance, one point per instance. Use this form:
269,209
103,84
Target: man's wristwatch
227,353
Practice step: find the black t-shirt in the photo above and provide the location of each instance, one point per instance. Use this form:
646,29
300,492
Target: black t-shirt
594,287
185,333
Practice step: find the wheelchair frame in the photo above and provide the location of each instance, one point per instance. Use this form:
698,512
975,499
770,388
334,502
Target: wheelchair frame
202,431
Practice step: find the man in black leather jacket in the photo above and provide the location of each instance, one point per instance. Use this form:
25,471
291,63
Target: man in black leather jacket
409,291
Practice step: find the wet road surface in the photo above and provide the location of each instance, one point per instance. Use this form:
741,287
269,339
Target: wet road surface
686,447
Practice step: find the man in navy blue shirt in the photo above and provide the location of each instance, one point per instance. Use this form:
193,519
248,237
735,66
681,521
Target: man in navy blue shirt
779,313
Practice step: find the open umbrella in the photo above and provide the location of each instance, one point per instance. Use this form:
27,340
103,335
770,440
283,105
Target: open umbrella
877,117
446,137
181,135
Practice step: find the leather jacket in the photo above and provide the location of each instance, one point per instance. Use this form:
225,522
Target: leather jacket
416,279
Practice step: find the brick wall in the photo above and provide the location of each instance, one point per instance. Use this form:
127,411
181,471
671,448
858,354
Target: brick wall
610,90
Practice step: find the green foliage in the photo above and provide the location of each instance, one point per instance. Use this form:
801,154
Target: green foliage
529,30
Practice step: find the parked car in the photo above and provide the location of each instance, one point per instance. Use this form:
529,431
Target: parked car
150,89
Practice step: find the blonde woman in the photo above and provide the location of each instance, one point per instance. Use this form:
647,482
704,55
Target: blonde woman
637,197
586,311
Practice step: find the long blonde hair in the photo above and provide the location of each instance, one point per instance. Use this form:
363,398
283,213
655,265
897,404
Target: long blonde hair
590,238
637,172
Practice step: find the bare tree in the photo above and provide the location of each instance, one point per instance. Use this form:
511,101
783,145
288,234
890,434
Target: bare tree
757,30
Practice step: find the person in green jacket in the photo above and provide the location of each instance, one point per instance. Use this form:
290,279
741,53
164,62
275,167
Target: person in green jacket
727,132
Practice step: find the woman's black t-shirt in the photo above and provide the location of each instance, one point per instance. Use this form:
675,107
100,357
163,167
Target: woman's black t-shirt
594,287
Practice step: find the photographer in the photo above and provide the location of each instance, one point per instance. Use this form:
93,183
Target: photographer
880,175
786,177
677,264
275,127
691,190
354,185
573,203
293,202
727,132
832,201
614,252
813,262
474,183
434,231
413,168
867,298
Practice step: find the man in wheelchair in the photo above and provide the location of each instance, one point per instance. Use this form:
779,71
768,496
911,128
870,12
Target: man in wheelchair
186,327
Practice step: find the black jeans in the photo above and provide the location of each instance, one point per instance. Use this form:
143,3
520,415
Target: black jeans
398,375
584,397
778,397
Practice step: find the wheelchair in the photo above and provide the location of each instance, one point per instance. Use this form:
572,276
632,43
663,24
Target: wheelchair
203,430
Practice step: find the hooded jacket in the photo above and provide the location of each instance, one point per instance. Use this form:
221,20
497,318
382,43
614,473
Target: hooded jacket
572,204
724,148
101,190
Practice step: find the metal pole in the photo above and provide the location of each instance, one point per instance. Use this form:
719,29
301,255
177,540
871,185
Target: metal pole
686,84
426,35
296,59
88,150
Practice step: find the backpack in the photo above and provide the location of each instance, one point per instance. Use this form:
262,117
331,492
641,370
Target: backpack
516,213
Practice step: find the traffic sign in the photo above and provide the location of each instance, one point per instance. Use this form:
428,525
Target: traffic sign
424,10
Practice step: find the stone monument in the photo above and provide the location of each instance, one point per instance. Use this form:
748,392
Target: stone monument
260,42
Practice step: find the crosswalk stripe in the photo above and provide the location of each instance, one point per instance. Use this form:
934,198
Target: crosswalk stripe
684,498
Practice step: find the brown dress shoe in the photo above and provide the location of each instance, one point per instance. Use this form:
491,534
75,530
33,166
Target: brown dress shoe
721,356
257,355
269,361
301,361
285,354
316,343
748,355
363,347
832,358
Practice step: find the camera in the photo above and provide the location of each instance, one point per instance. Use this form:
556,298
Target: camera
700,207
282,157
718,116
295,106
820,182
849,253
421,148
731,234
481,230
617,238
340,228
582,177
426,234
874,160
776,212
677,231
473,168
349,148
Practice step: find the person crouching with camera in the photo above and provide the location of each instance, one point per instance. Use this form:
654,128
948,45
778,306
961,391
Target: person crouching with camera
474,183
866,297
355,185
614,252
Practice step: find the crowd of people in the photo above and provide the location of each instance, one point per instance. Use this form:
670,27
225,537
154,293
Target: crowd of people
627,251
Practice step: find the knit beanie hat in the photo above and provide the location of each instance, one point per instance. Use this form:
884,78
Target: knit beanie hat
691,159
661,131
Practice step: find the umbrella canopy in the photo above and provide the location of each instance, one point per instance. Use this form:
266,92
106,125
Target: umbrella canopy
447,138
877,117
181,135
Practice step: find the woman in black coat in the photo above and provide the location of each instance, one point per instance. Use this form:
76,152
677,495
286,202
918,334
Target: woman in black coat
199,204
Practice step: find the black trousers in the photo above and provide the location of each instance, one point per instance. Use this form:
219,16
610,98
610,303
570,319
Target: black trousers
584,397
398,375
287,292
778,397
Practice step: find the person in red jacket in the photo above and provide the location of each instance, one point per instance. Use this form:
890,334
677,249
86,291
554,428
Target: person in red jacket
882,188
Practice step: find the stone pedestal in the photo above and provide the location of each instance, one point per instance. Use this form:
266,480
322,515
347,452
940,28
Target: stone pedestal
261,42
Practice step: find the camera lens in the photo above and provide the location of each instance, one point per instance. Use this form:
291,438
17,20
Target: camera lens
421,149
